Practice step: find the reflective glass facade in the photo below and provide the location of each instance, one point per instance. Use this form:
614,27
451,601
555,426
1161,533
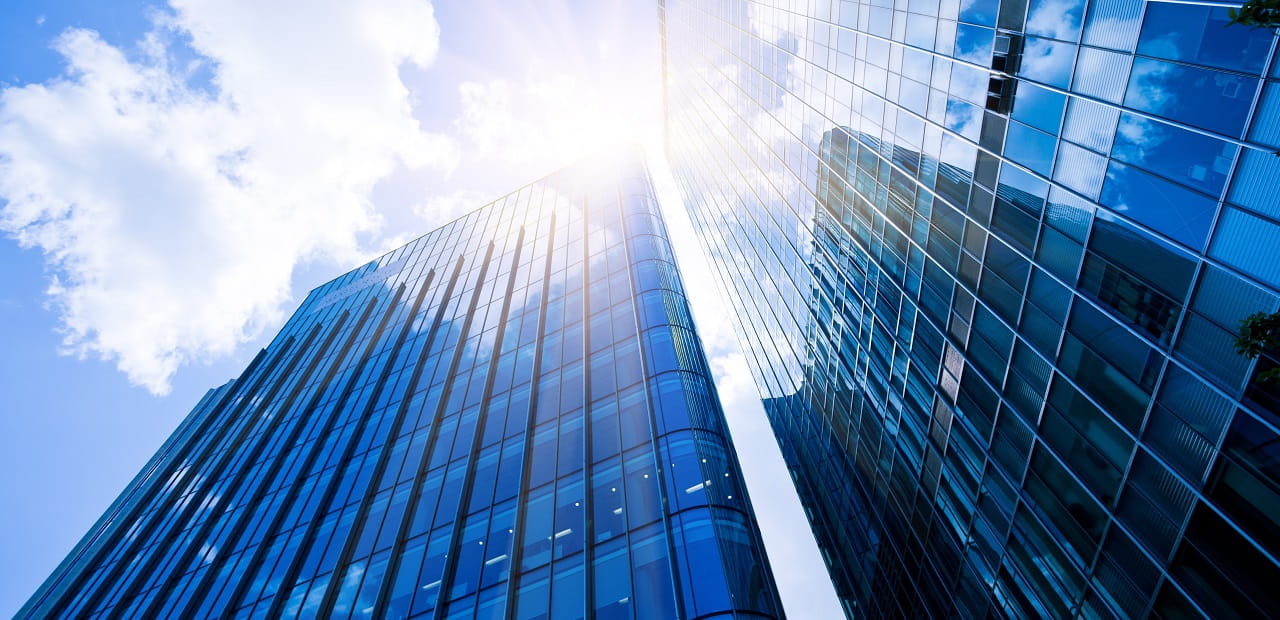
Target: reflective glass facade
987,259
509,417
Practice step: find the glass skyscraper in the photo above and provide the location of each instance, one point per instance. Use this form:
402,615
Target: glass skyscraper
509,417
987,259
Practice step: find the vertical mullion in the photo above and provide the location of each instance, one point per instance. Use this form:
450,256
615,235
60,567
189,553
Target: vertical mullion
464,500
115,516
419,368
517,548
209,486
281,416
357,373
673,565
332,589
397,548
588,489
206,450
293,488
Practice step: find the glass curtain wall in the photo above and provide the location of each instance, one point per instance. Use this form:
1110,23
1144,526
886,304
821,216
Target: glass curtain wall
509,417
987,259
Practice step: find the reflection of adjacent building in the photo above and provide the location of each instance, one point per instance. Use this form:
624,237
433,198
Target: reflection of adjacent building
508,417
1019,392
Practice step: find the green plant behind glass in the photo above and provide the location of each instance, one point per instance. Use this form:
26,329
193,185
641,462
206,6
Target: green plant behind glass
1259,333
1257,13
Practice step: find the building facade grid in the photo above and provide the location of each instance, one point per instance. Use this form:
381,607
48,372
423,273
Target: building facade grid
511,416
987,259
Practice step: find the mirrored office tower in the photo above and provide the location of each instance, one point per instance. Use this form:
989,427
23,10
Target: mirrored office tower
987,258
509,417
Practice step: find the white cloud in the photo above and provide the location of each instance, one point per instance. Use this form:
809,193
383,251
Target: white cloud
1140,133
442,209
1047,61
1147,90
1059,19
549,118
173,200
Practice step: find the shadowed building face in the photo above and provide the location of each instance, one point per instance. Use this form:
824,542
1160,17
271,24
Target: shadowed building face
987,259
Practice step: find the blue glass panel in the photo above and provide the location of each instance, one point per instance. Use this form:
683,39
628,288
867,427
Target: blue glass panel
964,118
1180,213
611,570
643,488
687,486
538,528
1047,61
499,545
1200,35
1189,158
608,500
1057,19
1237,242
492,604
700,564
651,574
570,516
533,598
1039,107
1253,185
1029,147
568,589
1157,264
1205,98
973,43
979,12
471,554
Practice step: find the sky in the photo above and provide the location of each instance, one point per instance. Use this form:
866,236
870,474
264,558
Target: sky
174,178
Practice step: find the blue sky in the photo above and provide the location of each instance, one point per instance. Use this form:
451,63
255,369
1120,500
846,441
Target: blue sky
175,177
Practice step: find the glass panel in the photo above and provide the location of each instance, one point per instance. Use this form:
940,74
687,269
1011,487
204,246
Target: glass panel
1029,147
1113,24
1181,214
1102,74
1039,107
644,503
651,574
1091,124
979,12
973,43
1236,240
1200,35
568,590
1055,18
1189,158
1047,61
1080,169
1223,571
570,516
1206,98
611,571
1089,442
702,575
608,499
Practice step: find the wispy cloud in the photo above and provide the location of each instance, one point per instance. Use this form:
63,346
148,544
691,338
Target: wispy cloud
172,200
441,209
548,116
